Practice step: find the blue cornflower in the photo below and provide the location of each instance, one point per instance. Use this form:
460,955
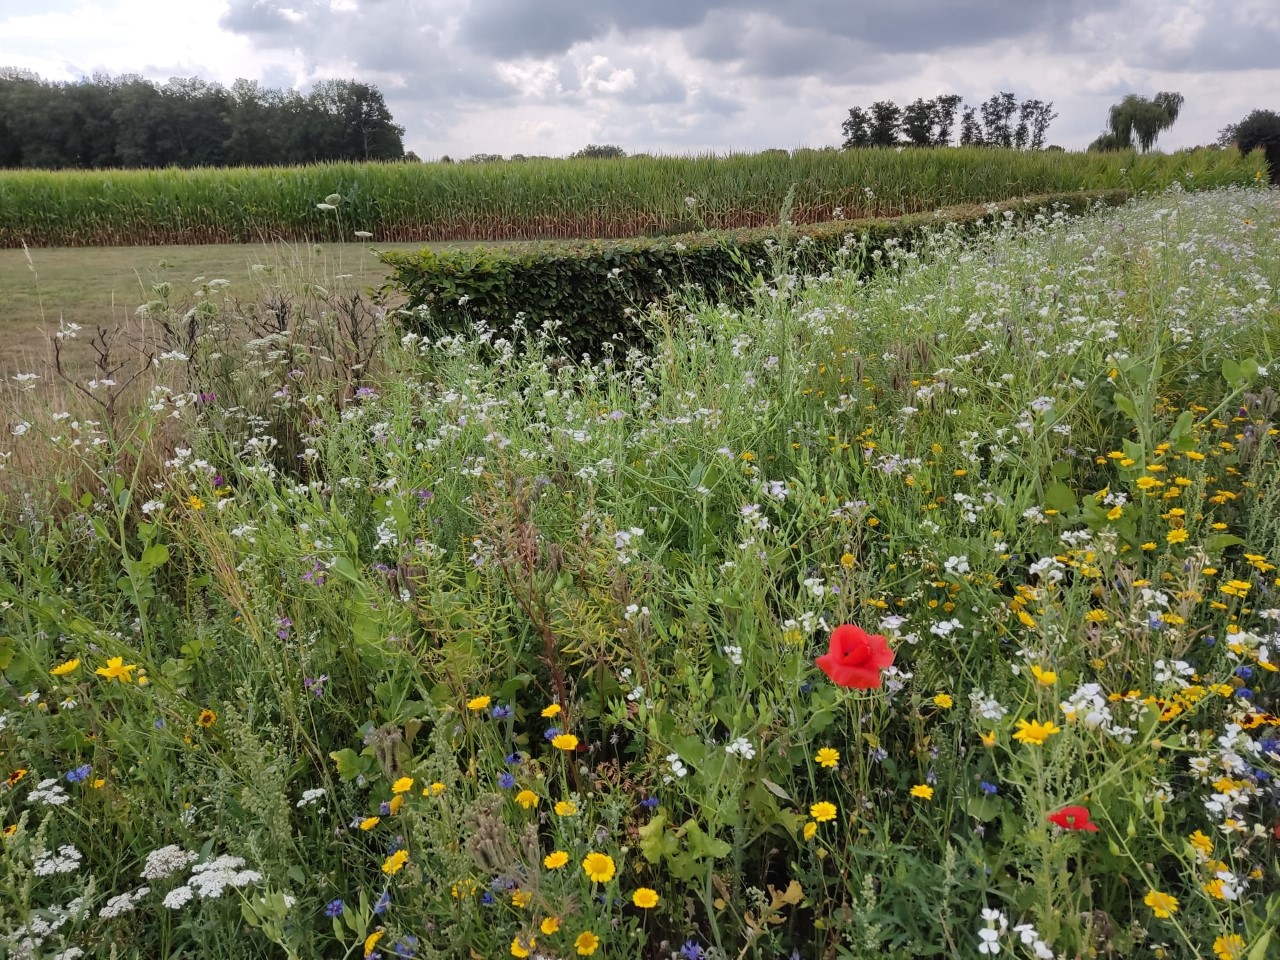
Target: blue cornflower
500,712
1245,692
691,950
649,802
1244,673
159,724
1210,641
988,788
79,774
334,908
486,898
552,733
384,901
512,758
506,781
406,947
384,808
879,754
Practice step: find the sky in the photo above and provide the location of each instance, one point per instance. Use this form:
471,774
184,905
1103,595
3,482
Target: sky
677,76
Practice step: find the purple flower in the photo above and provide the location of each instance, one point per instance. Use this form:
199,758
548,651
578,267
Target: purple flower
990,789
692,951
506,781
500,712
552,733
512,759
316,685
384,901
79,774
334,908
486,898
649,802
384,809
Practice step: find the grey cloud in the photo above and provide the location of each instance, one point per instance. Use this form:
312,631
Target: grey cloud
511,28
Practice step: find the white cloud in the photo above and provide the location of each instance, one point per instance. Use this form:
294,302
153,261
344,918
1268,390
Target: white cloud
505,76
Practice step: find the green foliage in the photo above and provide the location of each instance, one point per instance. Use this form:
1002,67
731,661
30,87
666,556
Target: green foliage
1136,118
1260,130
1040,458
593,293
106,122
551,199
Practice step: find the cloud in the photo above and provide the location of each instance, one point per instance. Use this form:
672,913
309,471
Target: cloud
507,76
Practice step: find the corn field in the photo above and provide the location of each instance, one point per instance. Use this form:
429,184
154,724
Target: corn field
550,199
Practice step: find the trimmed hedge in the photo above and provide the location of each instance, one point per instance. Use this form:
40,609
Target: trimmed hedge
595,289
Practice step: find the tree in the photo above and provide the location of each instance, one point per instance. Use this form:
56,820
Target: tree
886,117
997,119
970,130
944,118
128,121
917,122
1137,117
1260,130
600,151
857,129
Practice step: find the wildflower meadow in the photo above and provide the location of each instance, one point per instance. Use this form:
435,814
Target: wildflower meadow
929,611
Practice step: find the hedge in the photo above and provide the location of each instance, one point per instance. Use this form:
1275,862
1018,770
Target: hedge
596,289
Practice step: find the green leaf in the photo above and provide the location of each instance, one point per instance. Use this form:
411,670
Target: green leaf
155,555
701,844
1220,541
1058,496
1232,371
1126,406
1259,950
655,842
983,808
348,763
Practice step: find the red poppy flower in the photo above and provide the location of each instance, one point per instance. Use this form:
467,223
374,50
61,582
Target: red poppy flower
855,658
1074,818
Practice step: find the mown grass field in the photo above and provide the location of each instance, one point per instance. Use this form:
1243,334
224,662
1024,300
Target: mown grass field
931,614
558,198
103,286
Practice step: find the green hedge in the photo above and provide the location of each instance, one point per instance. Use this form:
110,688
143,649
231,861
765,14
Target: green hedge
596,288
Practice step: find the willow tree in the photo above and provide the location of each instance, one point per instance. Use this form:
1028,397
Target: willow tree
1141,119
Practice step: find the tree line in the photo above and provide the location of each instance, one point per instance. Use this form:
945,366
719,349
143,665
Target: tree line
999,121
128,121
